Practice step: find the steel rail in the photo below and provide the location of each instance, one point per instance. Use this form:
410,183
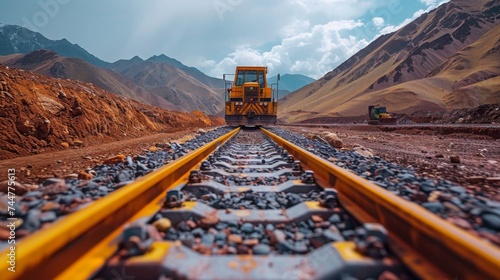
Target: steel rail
432,247
46,253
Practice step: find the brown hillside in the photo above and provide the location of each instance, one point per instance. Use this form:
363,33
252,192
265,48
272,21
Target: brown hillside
50,64
414,68
172,84
39,114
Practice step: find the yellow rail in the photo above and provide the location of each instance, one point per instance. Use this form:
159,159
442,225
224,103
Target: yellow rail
45,254
432,247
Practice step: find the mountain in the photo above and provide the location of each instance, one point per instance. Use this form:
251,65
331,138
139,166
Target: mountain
160,81
41,114
171,83
473,74
445,59
192,71
290,82
49,63
17,39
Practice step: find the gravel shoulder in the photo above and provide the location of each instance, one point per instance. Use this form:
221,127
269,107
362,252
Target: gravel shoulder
475,164
427,151
32,169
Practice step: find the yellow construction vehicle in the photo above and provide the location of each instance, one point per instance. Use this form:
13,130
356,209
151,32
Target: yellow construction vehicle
379,115
250,101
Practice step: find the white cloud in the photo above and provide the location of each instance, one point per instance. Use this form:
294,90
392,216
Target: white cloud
204,63
378,21
309,37
333,9
312,38
429,2
312,52
296,27
392,28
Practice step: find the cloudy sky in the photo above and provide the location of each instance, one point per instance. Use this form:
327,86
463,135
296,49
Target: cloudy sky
309,37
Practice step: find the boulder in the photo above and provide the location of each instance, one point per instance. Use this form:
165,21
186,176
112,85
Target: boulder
43,129
332,139
15,187
25,127
454,159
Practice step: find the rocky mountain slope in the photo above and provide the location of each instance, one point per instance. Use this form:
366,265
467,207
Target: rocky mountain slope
290,83
214,83
40,113
50,64
152,82
16,39
189,89
171,83
445,59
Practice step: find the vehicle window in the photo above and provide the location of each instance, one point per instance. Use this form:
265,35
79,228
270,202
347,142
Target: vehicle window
261,79
251,76
240,78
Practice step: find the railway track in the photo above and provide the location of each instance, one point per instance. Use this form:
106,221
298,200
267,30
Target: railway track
250,204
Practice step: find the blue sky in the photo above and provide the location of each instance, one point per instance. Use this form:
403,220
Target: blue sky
309,37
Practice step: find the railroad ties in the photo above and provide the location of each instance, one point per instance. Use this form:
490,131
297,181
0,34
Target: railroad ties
253,212
252,205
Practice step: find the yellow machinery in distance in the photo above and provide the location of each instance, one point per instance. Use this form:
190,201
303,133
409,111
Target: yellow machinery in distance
249,100
379,115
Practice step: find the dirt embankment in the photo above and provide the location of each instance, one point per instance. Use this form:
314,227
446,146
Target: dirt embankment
484,114
464,158
40,114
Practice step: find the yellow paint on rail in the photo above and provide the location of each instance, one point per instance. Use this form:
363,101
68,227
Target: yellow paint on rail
449,252
348,252
188,205
313,205
93,259
155,254
44,254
